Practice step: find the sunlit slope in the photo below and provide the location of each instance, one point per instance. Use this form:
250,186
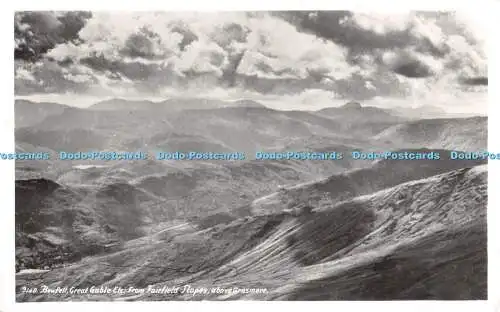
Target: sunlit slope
379,175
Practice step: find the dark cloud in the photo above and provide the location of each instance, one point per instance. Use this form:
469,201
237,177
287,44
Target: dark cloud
267,69
133,70
319,74
143,44
139,46
48,77
188,36
229,75
475,81
228,33
65,62
324,24
413,69
35,33
337,27
71,24
99,62
340,28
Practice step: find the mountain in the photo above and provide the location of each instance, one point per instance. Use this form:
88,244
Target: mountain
356,112
465,134
423,239
173,141
352,183
352,106
200,189
424,111
32,168
119,104
171,104
131,195
270,129
72,140
399,112
303,229
29,113
69,222
247,103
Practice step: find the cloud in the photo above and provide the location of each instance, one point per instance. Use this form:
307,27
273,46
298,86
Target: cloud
344,54
422,44
476,81
412,65
35,33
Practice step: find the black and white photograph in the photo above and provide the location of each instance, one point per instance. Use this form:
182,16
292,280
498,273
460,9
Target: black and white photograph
250,156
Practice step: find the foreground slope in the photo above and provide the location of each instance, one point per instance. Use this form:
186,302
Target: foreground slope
424,239
56,223
359,181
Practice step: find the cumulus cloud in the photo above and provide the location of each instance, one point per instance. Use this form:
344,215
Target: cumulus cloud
344,54
413,45
35,33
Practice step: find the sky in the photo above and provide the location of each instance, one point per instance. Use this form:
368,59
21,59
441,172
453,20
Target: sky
287,59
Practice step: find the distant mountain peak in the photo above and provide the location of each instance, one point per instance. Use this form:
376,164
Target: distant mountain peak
352,105
248,103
